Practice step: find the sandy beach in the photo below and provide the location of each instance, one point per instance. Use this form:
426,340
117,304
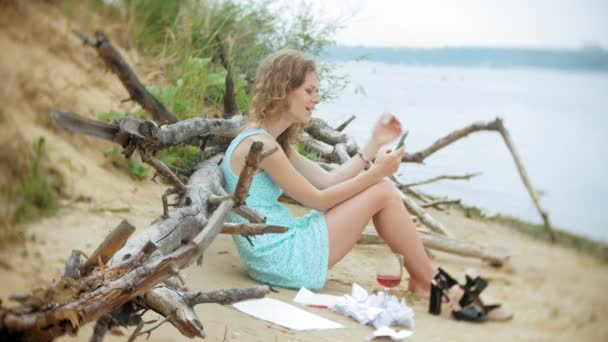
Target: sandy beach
555,293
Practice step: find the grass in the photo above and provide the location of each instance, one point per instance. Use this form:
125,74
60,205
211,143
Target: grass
580,244
308,154
134,168
200,86
33,189
111,210
183,157
109,117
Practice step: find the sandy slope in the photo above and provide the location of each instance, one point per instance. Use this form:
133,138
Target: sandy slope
555,293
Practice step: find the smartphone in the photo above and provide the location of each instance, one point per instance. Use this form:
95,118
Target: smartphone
403,137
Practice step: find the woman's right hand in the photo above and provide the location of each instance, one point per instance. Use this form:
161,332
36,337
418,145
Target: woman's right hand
387,163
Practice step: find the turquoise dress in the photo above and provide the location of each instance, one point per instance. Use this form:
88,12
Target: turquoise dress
294,259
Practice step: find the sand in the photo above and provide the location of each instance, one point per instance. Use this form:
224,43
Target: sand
555,293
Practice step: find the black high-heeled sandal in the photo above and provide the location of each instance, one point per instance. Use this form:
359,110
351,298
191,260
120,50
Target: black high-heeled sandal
462,299
440,282
472,289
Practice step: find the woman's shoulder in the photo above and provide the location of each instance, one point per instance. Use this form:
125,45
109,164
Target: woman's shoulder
245,144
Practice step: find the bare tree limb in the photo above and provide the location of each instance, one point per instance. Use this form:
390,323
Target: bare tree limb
230,106
172,305
495,257
524,178
436,204
418,157
320,130
114,61
80,124
251,165
467,176
112,243
73,264
251,229
345,123
162,169
184,131
322,149
424,216
226,296
101,328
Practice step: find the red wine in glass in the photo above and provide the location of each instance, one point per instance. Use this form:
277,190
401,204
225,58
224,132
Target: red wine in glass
388,281
389,270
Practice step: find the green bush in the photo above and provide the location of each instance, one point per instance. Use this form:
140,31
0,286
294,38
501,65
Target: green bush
183,31
33,190
183,157
201,84
308,154
134,168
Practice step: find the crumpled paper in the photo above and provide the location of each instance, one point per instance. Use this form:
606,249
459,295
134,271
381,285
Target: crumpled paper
378,310
388,332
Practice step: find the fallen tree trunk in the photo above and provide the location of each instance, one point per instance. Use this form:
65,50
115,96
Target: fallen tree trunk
493,256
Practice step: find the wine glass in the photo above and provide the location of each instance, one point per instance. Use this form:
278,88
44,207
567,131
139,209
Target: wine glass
389,270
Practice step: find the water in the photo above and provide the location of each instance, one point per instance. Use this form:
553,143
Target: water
557,120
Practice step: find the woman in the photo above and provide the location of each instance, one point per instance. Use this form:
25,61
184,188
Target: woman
343,201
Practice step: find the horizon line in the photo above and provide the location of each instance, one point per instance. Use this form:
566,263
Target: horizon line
590,46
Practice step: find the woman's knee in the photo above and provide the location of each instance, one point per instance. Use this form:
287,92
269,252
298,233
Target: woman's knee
386,190
377,195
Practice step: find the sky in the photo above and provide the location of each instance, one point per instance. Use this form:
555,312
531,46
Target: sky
495,23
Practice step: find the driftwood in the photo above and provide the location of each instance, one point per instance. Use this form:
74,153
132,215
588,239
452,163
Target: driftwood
114,61
230,106
426,218
442,177
134,269
251,229
498,126
437,204
116,286
134,274
113,242
343,125
495,257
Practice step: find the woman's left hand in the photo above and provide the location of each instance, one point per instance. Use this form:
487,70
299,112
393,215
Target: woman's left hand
387,129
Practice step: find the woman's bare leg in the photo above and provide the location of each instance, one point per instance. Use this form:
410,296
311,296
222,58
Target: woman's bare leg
382,203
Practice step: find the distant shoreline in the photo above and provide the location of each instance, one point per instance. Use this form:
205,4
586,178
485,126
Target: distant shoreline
583,59
578,242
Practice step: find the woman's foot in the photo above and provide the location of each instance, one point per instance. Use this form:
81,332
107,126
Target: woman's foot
418,289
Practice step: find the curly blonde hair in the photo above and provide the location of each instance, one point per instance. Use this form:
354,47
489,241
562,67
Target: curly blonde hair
277,75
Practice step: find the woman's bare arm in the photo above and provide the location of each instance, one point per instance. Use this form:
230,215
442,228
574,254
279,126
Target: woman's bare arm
323,179
285,175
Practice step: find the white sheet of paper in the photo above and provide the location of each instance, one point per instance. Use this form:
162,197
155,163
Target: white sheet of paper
307,297
281,313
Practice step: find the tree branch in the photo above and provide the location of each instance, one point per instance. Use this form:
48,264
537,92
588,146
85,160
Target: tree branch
230,106
112,243
468,176
226,296
495,257
114,61
418,157
345,123
250,229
